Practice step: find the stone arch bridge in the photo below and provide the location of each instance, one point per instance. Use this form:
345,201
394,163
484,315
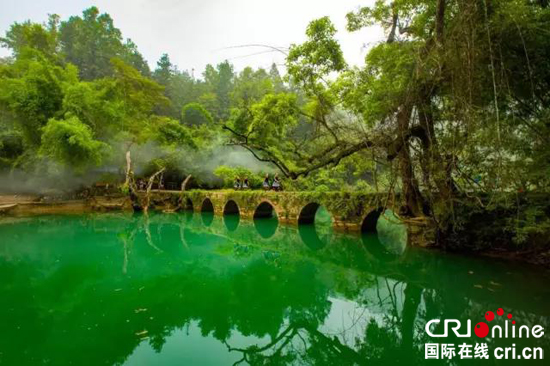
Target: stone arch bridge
350,212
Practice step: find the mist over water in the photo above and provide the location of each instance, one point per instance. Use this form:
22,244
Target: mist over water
51,178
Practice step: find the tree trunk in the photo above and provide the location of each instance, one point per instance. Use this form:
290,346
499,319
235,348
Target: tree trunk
147,199
184,183
129,173
414,202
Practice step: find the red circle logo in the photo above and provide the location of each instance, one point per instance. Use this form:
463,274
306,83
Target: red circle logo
481,330
489,316
500,312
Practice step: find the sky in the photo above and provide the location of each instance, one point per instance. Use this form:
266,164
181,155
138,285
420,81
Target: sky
195,33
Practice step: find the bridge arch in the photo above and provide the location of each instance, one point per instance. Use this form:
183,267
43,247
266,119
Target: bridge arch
266,219
314,236
188,206
231,216
231,208
371,220
207,205
383,235
307,213
264,210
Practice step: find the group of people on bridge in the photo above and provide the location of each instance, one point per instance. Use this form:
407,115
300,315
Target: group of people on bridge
267,184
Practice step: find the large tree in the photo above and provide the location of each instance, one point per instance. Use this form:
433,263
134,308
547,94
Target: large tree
91,41
455,100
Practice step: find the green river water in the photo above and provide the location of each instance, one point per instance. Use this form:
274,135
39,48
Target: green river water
194,289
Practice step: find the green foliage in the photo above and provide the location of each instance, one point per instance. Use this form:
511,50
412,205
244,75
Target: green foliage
171,133
71,142
25,35
196,114
318,56
32,89
91,41
228,175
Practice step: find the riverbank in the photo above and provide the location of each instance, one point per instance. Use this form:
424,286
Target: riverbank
22,205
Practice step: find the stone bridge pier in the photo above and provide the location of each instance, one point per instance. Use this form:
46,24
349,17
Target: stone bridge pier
350,212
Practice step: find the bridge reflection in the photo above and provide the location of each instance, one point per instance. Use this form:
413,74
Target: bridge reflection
266,227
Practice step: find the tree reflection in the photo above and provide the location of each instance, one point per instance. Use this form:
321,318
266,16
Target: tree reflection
63,301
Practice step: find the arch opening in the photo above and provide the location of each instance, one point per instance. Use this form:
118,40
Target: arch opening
207,205
231,208
370,221
188,205
207,212
231,215
307,215
384,235
265,220
315,226
264,211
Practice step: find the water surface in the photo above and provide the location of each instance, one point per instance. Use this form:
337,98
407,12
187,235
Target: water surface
184,289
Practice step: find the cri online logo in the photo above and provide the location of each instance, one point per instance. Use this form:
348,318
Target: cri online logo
482,330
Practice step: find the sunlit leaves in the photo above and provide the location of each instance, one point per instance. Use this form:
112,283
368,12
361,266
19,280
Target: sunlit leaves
318,56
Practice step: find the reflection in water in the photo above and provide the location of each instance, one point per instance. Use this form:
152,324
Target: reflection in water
203,297
188,215
375,247
308,233
384,235
315,226
231,221
266,227
207,218
392,233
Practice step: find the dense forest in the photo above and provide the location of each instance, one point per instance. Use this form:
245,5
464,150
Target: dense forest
451,109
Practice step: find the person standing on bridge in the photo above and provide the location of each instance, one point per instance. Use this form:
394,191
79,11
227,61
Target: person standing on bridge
237,184
245,183
266,186
277,183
